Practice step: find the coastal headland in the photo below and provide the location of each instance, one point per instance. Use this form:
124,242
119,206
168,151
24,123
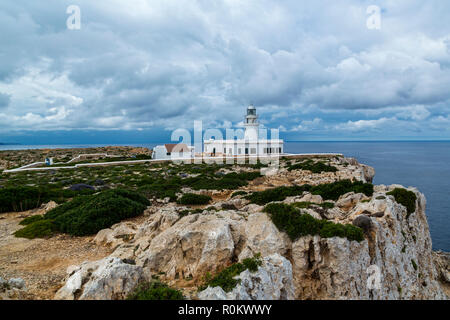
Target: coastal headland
314,227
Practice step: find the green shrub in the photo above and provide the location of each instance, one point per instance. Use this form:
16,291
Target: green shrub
38,229
86,215
238,193
155,290
306,205
24,198
327,205
194,199
414,264
30,220
328,191
289,219
225,278
20,198
276,194
96,212
332,191
317,167
406,198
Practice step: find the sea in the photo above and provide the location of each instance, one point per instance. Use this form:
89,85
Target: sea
422,164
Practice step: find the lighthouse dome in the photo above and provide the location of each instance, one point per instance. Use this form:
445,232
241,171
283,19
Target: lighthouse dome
251,110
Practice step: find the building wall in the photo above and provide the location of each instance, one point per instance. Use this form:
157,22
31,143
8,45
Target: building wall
160,153
239,148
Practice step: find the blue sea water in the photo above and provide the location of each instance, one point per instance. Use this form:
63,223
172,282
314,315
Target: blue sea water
425,165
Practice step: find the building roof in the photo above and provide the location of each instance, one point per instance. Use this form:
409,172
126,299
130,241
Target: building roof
181,147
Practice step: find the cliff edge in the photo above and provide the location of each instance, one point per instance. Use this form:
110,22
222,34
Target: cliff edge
182,247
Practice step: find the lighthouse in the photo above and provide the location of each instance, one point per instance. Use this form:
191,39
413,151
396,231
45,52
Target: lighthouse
251,145
251,124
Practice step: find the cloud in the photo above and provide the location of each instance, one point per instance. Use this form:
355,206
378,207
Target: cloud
310,68
4,100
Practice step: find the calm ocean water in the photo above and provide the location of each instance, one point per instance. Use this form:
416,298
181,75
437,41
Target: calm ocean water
425,165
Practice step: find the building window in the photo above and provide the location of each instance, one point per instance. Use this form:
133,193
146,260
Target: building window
230,151
168,153
239,151
224,150
279,150
246,150
253,150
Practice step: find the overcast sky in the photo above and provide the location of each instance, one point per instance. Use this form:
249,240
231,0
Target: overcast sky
138,69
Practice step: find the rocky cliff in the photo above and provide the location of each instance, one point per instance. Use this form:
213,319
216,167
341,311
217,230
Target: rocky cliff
394,261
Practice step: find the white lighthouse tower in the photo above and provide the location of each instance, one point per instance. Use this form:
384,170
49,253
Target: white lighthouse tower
251,124
251,145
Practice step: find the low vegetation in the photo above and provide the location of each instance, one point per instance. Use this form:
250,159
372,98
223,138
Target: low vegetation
306,205
194,199
296,224
406,198
239,193
86,215
38,229
155,290
314,167
22,198
225,278
30,220
328,191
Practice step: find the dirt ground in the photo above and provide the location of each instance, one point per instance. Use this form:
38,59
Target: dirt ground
41,263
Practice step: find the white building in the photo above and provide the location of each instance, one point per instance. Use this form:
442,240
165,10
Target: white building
250,145
173,151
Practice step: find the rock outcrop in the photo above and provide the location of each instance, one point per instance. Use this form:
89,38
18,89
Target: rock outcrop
272,281
394,261
107,279
12,289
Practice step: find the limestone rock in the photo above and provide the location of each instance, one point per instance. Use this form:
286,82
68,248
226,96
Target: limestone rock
13,289
397,248
16,283
442,263
106,279
262,236
49,206
196,244
272,281
116,235
347,201
363,222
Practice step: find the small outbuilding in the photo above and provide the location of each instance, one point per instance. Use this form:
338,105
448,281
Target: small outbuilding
173,151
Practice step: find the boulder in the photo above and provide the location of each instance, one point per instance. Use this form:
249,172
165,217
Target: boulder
272,281
262,236
364,222
106,279
119,233
349,200
16,283
49,206
196,244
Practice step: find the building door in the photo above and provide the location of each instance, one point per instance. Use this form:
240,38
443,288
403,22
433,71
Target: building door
214,151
